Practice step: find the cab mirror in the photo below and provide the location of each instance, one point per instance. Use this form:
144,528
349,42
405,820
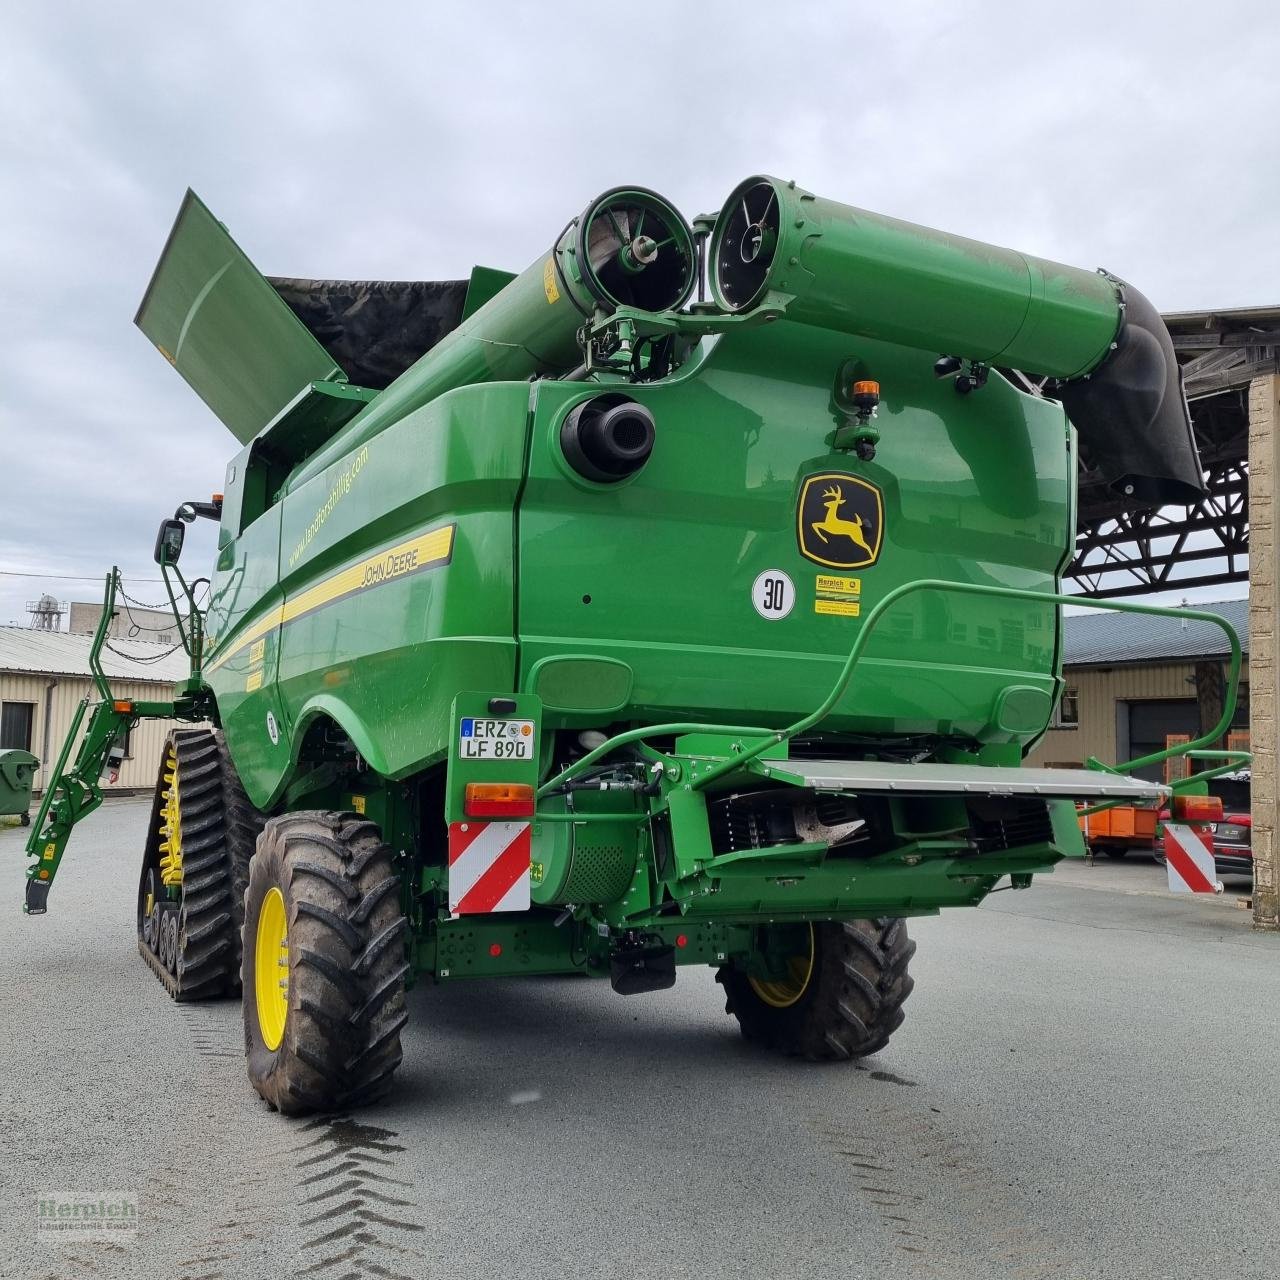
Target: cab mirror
169,542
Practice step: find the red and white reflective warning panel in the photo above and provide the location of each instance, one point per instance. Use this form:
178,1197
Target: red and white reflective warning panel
488,867
1188,855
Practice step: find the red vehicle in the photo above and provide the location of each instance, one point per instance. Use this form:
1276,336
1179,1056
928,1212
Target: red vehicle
1232,843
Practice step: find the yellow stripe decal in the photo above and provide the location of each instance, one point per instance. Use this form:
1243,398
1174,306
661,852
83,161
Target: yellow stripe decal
429,551
267,623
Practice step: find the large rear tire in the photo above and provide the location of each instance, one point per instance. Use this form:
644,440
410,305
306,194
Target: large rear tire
324,963
838,996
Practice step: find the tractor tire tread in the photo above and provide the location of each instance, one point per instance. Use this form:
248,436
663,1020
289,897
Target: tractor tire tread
854,1001
348,963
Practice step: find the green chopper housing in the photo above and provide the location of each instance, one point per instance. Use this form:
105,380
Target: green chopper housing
772,578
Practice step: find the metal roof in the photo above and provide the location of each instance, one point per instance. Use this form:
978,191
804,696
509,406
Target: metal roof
1108,639
61,653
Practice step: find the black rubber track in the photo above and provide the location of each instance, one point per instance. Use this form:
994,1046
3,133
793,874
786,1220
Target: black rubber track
853,1002
215,857
347,963
244,825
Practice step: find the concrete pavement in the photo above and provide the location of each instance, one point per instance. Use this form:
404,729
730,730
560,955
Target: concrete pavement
1071,1095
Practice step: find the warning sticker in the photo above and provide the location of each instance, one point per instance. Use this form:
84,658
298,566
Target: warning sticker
827,585
549,281
840,608
254,682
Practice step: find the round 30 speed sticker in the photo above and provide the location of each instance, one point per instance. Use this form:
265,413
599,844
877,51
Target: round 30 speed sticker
773,594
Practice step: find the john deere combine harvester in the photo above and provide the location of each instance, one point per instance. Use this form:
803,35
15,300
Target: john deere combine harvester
562,623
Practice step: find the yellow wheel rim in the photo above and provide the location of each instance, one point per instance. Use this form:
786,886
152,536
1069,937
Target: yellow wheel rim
171,825
271,968
781,993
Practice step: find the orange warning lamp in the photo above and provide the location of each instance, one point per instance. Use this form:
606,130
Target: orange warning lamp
1197,808
865,395
498,800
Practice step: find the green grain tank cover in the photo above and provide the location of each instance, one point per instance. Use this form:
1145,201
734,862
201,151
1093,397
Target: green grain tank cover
249,345
217,320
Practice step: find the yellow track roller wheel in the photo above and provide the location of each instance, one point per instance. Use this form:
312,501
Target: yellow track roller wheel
195,867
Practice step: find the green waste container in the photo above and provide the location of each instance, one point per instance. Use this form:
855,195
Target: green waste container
17,772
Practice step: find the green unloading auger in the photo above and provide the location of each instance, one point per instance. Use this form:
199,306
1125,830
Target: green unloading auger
1100,343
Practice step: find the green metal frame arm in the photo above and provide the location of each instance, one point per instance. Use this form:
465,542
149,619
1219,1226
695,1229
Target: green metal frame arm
102,631
71,796
59,772
766,738
72,793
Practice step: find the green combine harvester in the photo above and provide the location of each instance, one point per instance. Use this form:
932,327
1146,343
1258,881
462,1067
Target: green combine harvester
580,622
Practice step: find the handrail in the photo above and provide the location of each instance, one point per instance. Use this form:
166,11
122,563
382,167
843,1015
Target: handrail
192,641
1231,760
771,737
105,618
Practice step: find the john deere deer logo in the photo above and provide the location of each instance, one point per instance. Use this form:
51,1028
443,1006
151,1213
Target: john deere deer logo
839,521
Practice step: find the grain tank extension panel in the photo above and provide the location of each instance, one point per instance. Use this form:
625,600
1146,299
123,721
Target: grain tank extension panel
249,345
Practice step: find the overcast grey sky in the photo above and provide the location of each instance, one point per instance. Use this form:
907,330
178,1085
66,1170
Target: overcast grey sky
411,141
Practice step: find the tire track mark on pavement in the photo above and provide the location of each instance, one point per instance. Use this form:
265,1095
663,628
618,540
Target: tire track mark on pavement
215,1231
217,1226
209,1033
355,1207
904,1163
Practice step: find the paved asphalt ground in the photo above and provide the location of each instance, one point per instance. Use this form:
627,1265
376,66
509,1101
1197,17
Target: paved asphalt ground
1084,1087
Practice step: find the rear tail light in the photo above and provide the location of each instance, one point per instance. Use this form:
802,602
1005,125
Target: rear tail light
498,800
1197,808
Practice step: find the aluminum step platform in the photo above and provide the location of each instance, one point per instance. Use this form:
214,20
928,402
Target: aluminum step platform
959,779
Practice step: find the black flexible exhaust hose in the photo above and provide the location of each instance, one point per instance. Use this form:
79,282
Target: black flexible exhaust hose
1132,414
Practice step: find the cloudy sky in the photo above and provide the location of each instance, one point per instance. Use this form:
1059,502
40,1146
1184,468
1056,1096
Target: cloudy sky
413,140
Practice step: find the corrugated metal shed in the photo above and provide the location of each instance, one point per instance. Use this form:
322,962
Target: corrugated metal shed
1107,639
59,653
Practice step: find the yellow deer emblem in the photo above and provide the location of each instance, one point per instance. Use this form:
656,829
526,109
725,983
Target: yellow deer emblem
833,500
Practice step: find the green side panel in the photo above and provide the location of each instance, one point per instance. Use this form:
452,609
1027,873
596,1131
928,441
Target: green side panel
243,645
657,572
318,412
485,283
385,588
217,320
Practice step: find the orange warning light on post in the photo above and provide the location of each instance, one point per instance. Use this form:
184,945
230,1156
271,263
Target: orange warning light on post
1197,808
498,800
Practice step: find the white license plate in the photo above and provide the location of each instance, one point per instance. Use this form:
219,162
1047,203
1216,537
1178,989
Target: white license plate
495,739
